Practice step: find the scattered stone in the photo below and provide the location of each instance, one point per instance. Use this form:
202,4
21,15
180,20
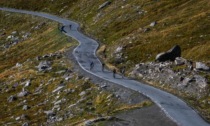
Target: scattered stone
118,55
69,91
10,37
105,4
162,73
26,36
17,118
23,93
58,102
28,83
44,65
39,26
38,58
49,113
58,89
202,83
14,33
109,96
46,56
186,81
61,72
60,119
26,107
15,85
12,98
169,55
42,103
118,49
92,121
25,124
153,24
87,79
82,93
56,107
103,86
18,65
180,61
201,66
38,90
68,78
146,30
24,117
72,105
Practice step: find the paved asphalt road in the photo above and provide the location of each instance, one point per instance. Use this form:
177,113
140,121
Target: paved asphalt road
175,108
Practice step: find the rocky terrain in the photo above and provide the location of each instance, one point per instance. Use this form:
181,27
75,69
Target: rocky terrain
185,78
132,33
46,91
167,74
143,116
43,88
52,93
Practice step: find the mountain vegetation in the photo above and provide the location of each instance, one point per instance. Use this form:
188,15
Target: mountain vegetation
38,84
127,23
134,30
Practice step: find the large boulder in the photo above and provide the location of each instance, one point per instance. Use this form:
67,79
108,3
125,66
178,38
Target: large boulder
169,55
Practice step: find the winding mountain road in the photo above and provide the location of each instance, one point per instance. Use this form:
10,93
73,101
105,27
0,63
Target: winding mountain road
175,108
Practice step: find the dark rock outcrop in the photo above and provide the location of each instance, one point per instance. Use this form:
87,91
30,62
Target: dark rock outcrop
170,54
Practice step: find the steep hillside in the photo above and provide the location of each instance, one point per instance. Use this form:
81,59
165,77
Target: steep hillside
136,31
127,23
17,44
38,85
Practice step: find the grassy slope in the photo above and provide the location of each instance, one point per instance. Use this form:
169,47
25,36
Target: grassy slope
45,40
183,22
49,41
179,22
